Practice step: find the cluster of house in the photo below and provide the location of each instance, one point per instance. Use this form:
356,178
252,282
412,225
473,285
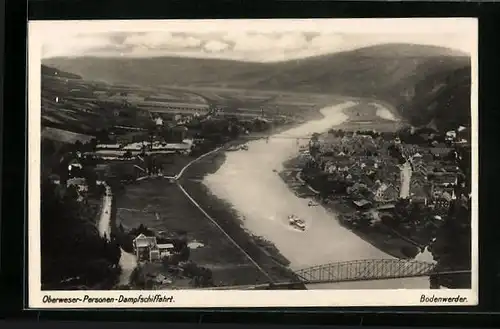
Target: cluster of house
352,144
177,119
175,107
434,175
434,179
458,136
75,178
360,168
136,148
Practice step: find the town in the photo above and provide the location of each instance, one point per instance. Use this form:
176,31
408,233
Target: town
197,173
395,188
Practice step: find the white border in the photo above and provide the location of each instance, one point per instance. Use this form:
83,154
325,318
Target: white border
207,298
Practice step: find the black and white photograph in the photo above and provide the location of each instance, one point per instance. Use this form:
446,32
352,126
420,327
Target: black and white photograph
252,163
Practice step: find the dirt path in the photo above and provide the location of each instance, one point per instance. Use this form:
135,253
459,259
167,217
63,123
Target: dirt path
127,261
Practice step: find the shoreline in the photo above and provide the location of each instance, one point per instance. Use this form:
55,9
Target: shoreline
266,254
338,207
263,251
273,219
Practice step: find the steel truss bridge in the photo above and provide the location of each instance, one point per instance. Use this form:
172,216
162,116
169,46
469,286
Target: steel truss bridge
359,270
370,269
304,137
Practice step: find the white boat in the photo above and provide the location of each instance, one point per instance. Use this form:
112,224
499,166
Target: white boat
296,222
233,148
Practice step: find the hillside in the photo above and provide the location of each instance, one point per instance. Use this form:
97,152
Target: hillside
416,79
71,108
49,71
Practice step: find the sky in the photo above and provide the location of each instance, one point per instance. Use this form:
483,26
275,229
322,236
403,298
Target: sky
248,40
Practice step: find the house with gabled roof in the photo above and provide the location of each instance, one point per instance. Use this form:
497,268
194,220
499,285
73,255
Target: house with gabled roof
147,249
143,245
386,193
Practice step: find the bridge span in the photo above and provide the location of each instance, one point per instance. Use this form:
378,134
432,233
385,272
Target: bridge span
358,270
278,136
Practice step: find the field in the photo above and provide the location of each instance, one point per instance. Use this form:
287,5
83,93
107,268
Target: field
405,75
263,252
85,107
64,136
162,207
176,213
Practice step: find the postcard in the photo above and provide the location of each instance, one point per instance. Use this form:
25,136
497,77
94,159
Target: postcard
253,163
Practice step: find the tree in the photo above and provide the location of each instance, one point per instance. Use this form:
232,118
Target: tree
127,155
137,278
71,193
113,252
48,147
90,177
184,254
70,245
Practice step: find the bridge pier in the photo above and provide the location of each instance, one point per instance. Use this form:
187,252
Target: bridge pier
434,282
286,286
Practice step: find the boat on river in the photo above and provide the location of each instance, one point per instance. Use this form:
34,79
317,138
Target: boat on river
297,223
312,203
233,148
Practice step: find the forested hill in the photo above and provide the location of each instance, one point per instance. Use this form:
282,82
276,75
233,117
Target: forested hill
426,83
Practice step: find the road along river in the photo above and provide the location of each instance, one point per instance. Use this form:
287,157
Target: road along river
247,181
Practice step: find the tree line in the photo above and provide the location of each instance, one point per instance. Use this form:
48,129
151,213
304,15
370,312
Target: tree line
72,251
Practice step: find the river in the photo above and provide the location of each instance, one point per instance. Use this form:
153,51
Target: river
383,112
250,183
265,201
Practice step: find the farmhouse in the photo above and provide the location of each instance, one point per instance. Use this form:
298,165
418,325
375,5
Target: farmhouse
147,249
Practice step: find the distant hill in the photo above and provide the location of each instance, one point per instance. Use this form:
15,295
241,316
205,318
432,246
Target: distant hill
72,110
423,82
52,72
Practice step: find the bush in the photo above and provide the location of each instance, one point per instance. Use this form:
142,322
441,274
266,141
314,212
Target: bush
137,278
202,277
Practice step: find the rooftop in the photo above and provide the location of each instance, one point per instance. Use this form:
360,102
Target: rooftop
361,203
144,241
165,246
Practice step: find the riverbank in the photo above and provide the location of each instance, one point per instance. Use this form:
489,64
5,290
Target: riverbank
379,236
264,202
163,208
252,212
258,248
144,202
